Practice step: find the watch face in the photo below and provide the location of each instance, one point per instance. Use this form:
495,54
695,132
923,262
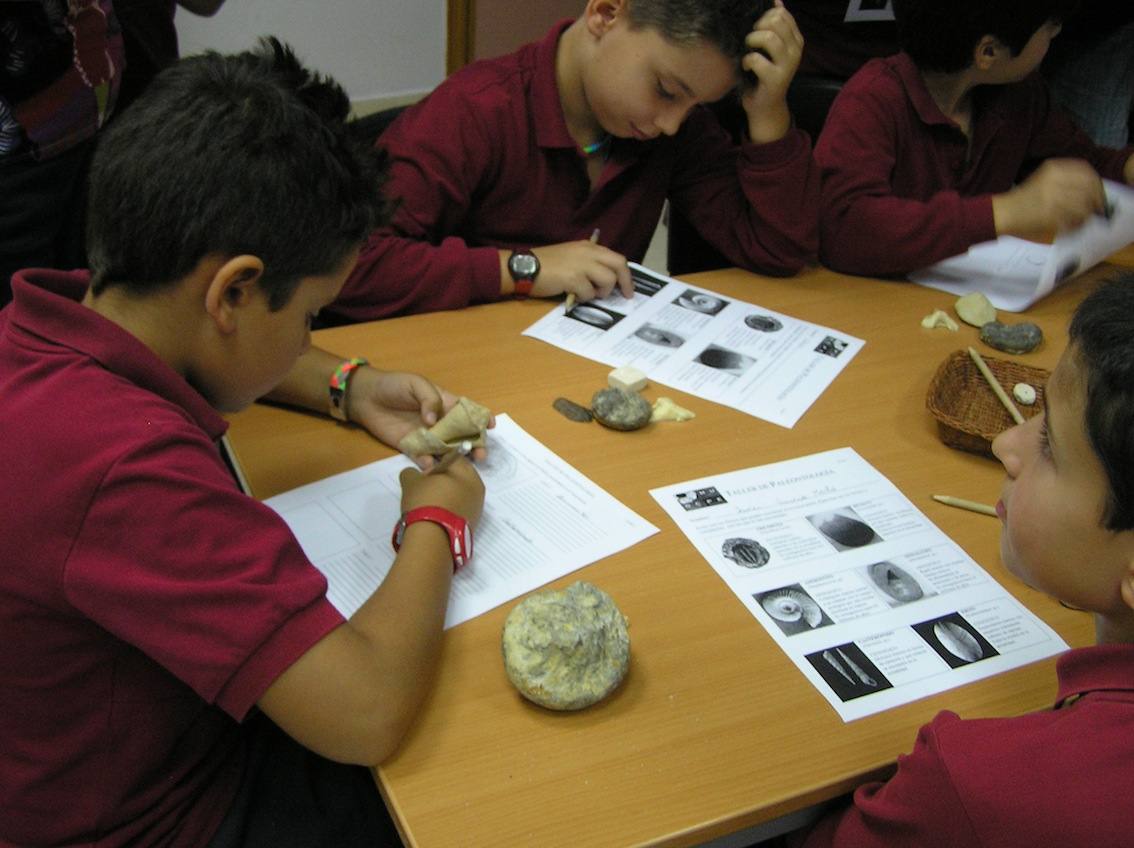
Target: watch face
523,265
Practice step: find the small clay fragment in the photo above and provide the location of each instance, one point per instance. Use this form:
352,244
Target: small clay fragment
572,410
1011,338
976,309
1024,393
938,318
567,649
620,409
666,410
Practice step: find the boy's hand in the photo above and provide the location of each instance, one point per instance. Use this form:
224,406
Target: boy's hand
392,404
776,46
582,268
1060,195
458,489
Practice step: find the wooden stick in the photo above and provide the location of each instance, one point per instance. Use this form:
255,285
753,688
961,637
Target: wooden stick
962,503
990,378
570,303
450,456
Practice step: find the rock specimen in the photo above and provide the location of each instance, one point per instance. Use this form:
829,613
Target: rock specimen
620,409
1011,338
567,649
976,309
666,410
572,410
466,421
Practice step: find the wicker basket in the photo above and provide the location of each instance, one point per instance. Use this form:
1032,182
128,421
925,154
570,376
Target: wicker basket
969,415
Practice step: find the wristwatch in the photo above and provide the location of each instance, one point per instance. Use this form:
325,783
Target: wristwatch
460,534
523,265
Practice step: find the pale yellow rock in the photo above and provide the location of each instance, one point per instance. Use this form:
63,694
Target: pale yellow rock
567,649
665,409
938,318
627,377
976,309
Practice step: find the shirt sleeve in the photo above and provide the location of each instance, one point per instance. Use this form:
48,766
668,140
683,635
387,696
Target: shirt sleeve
758,204
210,584
417,264
865,227
916,807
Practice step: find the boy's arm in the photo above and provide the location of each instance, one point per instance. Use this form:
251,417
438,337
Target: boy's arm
776,47
918,806
440,150
388,404
353,695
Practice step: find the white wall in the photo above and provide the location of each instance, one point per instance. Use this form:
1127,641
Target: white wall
379,50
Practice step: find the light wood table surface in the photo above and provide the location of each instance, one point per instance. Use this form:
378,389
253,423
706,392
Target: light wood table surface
714,730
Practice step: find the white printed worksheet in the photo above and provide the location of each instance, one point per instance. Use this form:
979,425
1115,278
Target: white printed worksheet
542,519
738,354
873,603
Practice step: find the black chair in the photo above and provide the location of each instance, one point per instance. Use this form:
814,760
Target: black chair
809,99
369,127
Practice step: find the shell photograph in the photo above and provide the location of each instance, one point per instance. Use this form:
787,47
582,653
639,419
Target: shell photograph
844,529
792,609
955,640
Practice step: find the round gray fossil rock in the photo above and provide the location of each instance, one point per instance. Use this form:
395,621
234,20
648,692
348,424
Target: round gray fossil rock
620,409
566,649
1011,338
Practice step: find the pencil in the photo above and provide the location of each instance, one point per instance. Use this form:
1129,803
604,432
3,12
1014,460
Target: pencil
450,456
962,503
997,389
570,303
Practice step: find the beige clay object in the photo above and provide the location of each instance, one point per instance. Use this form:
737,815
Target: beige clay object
976,309
627,377
666,410
467,421
938,318
566,650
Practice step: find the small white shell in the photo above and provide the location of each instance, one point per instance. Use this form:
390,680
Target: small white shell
1024,393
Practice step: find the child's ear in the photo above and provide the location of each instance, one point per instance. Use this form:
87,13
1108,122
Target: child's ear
601,14
986,52
232,287
1127,588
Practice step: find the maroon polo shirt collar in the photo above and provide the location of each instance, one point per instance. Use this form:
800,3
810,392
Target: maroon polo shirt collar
924,104
1101,668
47,304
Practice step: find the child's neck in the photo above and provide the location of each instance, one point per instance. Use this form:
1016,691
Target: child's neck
953,94
1114,631
569,59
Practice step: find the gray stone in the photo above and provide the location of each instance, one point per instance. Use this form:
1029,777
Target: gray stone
620,409
567,649
572,410
1012,338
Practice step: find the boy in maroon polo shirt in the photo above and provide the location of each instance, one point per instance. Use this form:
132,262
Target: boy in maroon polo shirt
932,150
524,157
172,671
1062,776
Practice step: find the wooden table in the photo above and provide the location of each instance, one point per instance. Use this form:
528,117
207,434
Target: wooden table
714,730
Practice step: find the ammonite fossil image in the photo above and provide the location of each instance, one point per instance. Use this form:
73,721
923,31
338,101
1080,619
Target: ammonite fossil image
746,552
792,605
